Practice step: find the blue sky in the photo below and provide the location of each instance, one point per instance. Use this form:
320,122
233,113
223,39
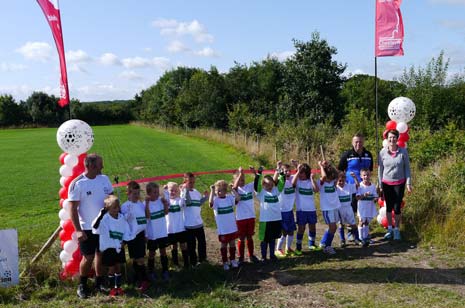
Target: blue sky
114,49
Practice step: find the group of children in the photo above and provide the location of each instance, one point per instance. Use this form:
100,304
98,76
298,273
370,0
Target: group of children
173,217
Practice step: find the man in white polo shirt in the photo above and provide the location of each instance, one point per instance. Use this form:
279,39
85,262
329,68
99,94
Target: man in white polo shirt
86,194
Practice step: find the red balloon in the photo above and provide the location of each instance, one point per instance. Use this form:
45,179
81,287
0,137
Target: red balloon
72,267
63,193
404,137
63,275
68,226
77,170
77,255
381,202
82,158
401,144
384,221
62,157
68,181
391,125
65,236
61,202
385,134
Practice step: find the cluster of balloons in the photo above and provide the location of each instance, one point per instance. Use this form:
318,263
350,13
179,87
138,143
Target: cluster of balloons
401,110
75,138
382,215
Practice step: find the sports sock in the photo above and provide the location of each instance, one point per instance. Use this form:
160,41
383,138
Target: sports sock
224,254
290,239
281,242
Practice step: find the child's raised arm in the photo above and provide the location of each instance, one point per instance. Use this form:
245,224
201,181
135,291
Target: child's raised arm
257,182
314,186
212,195
279,166
238,178
296,175
236,195
322,165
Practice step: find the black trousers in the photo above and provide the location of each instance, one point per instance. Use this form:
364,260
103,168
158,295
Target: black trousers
196,237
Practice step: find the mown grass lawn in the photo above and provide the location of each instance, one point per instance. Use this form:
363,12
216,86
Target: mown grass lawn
383,275
30,180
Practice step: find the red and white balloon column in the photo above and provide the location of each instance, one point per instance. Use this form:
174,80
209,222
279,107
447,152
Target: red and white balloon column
75,138
401,110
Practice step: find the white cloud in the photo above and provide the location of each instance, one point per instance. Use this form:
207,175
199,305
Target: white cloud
39,51
139,62
454,2
19,92
206,52
177,46
282,56
172,27
130,75
103,91
11,67
75,67
109,59
136,62
77,56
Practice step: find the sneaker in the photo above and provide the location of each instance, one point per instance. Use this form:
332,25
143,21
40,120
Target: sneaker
165,276
101,289
226,266
357,242
113,292
388,236
397,236
298,252
144,286
82,291
290,252
329,250
350,237
241,260
281,252
365,243
343,244
254,259
234,264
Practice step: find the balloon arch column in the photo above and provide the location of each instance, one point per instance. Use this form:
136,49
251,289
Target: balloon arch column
75,138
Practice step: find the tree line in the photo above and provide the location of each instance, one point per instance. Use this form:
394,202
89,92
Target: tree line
271,98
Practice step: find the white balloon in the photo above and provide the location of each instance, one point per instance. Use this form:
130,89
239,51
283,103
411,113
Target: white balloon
74,236
70,246
62,223
75,137
385,143
63,214
66,171
401,109
382,212
71,160
402,127
67,206
379,219
62,181
65,256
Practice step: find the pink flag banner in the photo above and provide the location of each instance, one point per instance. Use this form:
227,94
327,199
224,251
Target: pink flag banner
52,13
389,32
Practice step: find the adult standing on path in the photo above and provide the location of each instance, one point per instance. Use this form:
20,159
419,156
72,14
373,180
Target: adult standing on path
86,194
394,175
354,160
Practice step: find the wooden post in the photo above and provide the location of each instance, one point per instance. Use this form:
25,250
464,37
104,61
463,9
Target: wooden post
322,153
44,248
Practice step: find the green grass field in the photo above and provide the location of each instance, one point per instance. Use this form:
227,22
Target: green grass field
384,274
30,182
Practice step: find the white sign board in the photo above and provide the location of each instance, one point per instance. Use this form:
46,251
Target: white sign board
9,271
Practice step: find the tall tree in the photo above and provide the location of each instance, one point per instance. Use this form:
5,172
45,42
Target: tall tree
312,82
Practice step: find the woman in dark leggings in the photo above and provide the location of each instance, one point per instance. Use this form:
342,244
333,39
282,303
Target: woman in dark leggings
394,176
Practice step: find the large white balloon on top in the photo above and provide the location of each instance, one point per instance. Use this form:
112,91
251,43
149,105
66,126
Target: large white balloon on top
75,137
401,109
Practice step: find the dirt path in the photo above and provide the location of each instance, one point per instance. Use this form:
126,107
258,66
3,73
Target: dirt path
397,274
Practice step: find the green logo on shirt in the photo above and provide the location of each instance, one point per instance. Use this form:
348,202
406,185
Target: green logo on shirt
194,203
330,189
116,235
305,191
344,198
247,196
157,215
141,220
289,190
271,199
225,210
175,208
